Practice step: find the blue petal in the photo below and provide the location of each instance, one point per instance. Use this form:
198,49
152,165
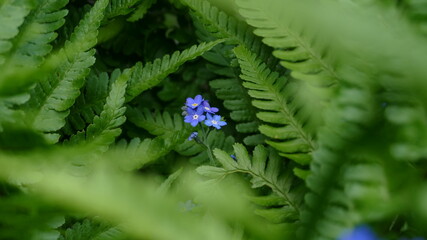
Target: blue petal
194,123
198,99
208,123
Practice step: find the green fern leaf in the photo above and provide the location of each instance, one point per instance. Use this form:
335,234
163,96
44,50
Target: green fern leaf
89,229
296,50
271,93
140,153
239,103
148,76
31,45
120,7
141,10
106,127
12,15
330,205
158,123
170,132
234,95
52,97
9,114
264,168
221,25
32,42
90,102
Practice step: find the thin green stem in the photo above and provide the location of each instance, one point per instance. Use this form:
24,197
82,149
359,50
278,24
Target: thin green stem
205,137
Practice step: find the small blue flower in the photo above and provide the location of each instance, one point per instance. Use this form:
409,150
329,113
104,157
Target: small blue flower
207,108
362,232
194,103
215,121
193,135
194,116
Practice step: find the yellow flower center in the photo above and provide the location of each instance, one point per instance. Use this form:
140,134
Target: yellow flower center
194,104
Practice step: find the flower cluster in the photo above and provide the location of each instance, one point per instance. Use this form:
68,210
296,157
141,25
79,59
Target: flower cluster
198,110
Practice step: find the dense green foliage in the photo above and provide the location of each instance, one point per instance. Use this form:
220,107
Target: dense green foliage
324,101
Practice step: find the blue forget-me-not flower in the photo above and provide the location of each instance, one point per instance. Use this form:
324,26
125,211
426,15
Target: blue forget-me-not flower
207,108
194,102
214,121
194,116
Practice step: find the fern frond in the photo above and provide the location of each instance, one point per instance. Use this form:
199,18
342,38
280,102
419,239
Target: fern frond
120,8
221,25
410,123
141,10
140,153
170,131
264,167
148,76
90,102
53,96
32,42
296,50
236,99
106,127
349,118
9,114
90,229
234,95
31,45
12,15
157,123
274,97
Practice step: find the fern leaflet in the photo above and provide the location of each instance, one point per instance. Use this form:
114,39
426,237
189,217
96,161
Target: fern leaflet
234,95
120,7
273,96
90,102
263,172
140,153
89,229
329,202
157,123
148,76
12,15
296,51
106,127
140,10
221,25
38,30
52,97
